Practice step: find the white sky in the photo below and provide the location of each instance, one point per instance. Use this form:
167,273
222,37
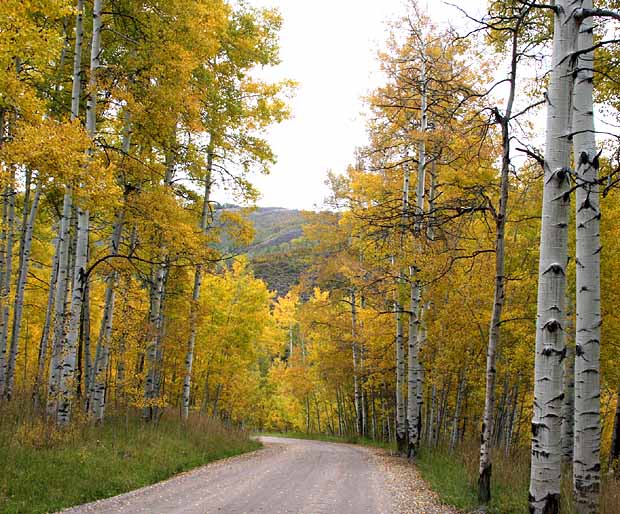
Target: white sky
329,47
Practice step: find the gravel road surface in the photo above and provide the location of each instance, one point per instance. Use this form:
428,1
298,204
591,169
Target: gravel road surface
291,476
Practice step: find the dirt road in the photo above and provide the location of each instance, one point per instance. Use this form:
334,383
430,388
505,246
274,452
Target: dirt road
287,476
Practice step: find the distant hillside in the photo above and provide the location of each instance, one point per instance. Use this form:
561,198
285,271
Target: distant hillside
278,253
276,230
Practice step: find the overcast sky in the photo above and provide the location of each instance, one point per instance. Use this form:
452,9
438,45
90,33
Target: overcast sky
329,47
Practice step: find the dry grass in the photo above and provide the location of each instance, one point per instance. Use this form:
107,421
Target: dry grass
454,475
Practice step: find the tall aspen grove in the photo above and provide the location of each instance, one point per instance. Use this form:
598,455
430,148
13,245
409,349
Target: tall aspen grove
452,300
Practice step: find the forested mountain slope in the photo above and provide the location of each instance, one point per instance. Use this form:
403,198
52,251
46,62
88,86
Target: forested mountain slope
278,254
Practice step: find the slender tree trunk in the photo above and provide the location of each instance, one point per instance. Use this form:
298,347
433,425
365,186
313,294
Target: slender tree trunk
401,440
193,315
62,285
568,406
67,375
421,182
485,468
430,430
218,391
97,383
414,341
60,303
545,474
20,291
373,414
420,399
81,251
443,407
155,323
5,286
76,85
85,336
513,417
587,459
359,424
413,365
43,346
430,230
97,391
454,437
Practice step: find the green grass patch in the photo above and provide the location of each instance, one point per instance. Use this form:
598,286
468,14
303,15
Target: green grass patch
43,473
454,476
448,477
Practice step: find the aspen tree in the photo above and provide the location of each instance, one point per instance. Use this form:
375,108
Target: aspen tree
69,356
359,418
504,120
587,448
568,406
97,379
189,357
5,285
20,290
45,334
414,377
64,227
546,452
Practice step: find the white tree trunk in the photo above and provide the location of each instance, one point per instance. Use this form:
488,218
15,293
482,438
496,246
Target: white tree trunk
5,285
400,377
62,286
550,346
98,377
421,182
76,86
67,374
568,406
586,460
413,365
485,467
19,293
45,334
454,437
484,478
60,300
430,422
359,424
152,355
95,55
193,315
430,228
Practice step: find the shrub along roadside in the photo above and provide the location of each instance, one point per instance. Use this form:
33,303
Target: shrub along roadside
46,471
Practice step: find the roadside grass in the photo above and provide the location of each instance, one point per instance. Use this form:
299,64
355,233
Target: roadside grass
348,439
454,476
45,470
